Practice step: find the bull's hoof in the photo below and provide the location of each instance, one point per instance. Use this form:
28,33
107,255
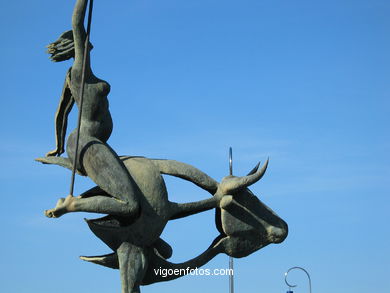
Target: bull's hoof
61,207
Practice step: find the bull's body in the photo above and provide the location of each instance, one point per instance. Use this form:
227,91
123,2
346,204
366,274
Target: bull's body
244,222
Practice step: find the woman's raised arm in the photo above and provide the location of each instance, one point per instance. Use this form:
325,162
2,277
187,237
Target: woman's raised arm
79,33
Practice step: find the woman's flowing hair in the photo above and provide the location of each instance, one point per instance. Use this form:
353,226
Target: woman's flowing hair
63,48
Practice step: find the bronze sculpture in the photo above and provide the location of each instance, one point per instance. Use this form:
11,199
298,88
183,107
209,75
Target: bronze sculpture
132,192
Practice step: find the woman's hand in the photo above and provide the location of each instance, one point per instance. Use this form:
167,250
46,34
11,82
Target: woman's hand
55,153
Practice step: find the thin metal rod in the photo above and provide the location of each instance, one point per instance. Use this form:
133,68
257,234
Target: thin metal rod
299,268
230,161
231,264
231,277
86,45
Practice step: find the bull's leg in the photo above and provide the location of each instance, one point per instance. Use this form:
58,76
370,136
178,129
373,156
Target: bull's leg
180,210
163,248
132,265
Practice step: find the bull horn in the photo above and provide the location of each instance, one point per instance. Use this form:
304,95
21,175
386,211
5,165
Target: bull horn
254,170
253,177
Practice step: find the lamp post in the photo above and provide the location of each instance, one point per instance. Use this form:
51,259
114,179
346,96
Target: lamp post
292,286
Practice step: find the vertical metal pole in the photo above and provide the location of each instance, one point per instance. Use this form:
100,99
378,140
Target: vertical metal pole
231,267
76,156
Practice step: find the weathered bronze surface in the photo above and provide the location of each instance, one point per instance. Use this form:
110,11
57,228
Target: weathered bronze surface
131,190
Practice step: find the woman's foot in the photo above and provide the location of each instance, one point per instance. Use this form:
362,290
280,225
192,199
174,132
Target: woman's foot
61,208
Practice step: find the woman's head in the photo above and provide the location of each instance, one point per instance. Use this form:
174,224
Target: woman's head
63,48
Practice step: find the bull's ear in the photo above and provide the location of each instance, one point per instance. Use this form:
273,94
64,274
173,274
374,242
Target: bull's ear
254,170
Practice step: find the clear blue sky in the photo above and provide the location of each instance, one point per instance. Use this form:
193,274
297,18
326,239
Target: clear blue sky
304,82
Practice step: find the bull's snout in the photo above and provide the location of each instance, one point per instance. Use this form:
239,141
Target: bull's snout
277,234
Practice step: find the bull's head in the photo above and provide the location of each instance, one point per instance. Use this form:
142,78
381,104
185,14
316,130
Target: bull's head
245,223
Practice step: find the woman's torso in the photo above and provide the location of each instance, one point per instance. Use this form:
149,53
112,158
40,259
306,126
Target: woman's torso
96,119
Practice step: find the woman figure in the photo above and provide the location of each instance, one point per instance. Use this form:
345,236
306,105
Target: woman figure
96,158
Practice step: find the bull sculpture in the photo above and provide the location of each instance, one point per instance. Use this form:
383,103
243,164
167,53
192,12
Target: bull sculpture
245,223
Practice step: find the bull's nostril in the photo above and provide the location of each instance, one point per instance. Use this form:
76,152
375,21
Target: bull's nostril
276,234
284,232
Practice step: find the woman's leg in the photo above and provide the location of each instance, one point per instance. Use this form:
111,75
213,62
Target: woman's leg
120,194
95,204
